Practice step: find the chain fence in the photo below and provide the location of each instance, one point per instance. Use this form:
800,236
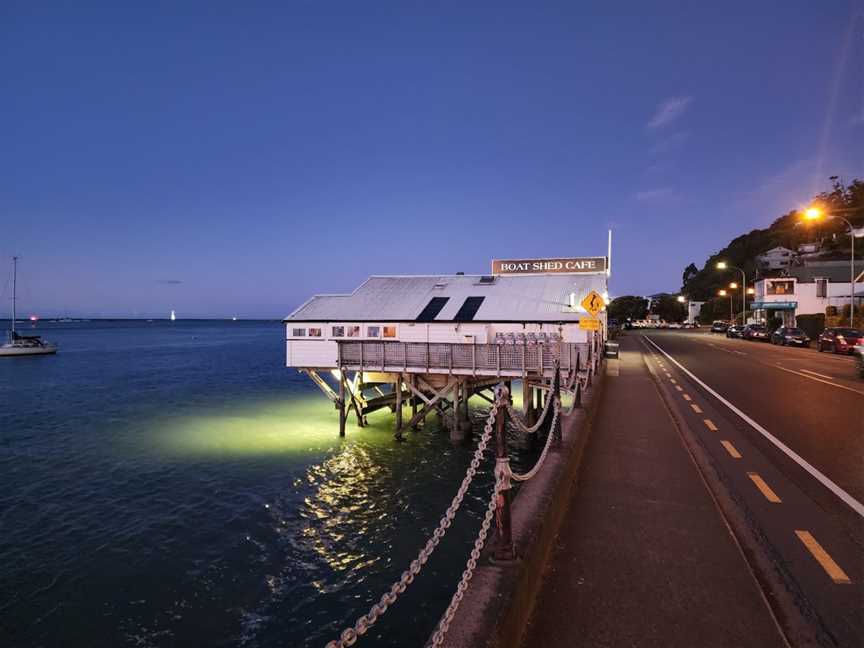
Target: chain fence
503,477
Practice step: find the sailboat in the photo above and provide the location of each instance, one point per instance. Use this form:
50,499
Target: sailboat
21,345
173,316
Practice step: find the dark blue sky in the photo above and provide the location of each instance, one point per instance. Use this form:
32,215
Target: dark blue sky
234,158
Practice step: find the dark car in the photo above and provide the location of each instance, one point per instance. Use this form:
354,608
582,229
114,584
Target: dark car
839,340
789,335
755,332
734,331
719,326
859,359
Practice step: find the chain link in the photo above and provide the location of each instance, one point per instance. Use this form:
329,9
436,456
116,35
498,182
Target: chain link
471,565
520,422
542,458
350,635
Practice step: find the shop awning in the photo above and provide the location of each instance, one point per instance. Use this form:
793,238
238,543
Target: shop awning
774,305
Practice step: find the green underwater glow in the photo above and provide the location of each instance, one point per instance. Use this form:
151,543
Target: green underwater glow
282,425
294,425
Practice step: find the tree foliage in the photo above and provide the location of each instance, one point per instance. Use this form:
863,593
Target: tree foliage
628,307
669,308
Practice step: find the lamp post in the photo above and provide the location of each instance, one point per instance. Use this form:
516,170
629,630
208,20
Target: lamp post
815,213
683,300
722,265
723,293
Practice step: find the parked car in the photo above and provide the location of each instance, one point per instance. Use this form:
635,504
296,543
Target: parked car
789,335
839,340
719,326
734,331
859,359
755,332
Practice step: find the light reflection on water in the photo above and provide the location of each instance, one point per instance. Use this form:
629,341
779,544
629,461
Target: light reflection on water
198,494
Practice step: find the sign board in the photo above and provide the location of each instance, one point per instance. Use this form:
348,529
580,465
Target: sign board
593,303
573,265
589,324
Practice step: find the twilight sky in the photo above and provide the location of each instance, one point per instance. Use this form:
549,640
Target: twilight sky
234,158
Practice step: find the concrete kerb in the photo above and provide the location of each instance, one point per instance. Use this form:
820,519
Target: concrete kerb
500,599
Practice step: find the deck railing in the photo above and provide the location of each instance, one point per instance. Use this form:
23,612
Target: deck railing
477,359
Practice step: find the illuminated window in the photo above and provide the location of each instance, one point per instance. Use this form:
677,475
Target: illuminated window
353,331
821,287
373,331
314,332
390,331
338,331
298,333
781,287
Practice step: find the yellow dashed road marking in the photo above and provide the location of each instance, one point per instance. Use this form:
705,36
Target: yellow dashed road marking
733,452
686,397
710,425
672,380
696,408
823,558
769,494
678,387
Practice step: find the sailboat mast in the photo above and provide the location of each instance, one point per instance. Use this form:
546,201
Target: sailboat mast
14,289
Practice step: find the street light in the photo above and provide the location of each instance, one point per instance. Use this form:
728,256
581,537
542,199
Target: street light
722,265
682,299
733,285
815,213
722,292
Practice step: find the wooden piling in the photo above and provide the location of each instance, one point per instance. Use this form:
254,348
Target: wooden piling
504,549
342,415
398,388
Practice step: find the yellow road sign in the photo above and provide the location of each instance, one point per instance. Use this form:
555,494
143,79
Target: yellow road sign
589,324
593,303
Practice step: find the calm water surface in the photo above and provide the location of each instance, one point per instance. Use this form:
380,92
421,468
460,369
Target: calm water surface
175,485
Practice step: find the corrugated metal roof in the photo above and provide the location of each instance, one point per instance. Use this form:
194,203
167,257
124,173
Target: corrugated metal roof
834,271
525,298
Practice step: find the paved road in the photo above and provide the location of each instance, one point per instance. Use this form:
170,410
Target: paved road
783,429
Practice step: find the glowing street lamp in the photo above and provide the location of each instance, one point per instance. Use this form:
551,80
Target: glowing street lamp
722,292
733,285
722,265
814,213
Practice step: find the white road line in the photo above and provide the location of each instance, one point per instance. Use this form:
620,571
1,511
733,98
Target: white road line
826,382
854,504
818,374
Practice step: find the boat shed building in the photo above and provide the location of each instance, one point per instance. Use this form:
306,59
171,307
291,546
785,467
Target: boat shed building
436,336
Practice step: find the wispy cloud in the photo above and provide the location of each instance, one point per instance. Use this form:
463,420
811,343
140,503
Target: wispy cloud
651,196
670,143
169,282
668,111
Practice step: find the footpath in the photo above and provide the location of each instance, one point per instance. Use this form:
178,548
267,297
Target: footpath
644,557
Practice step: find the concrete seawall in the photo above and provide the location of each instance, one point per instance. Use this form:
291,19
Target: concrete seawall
499,600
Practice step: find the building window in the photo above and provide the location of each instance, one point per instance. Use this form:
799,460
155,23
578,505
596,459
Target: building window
298,332
390,331
337,331
353,331
373,331
781,287
821,287
314,332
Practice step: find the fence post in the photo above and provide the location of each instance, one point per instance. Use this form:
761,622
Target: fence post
556,399
504,549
